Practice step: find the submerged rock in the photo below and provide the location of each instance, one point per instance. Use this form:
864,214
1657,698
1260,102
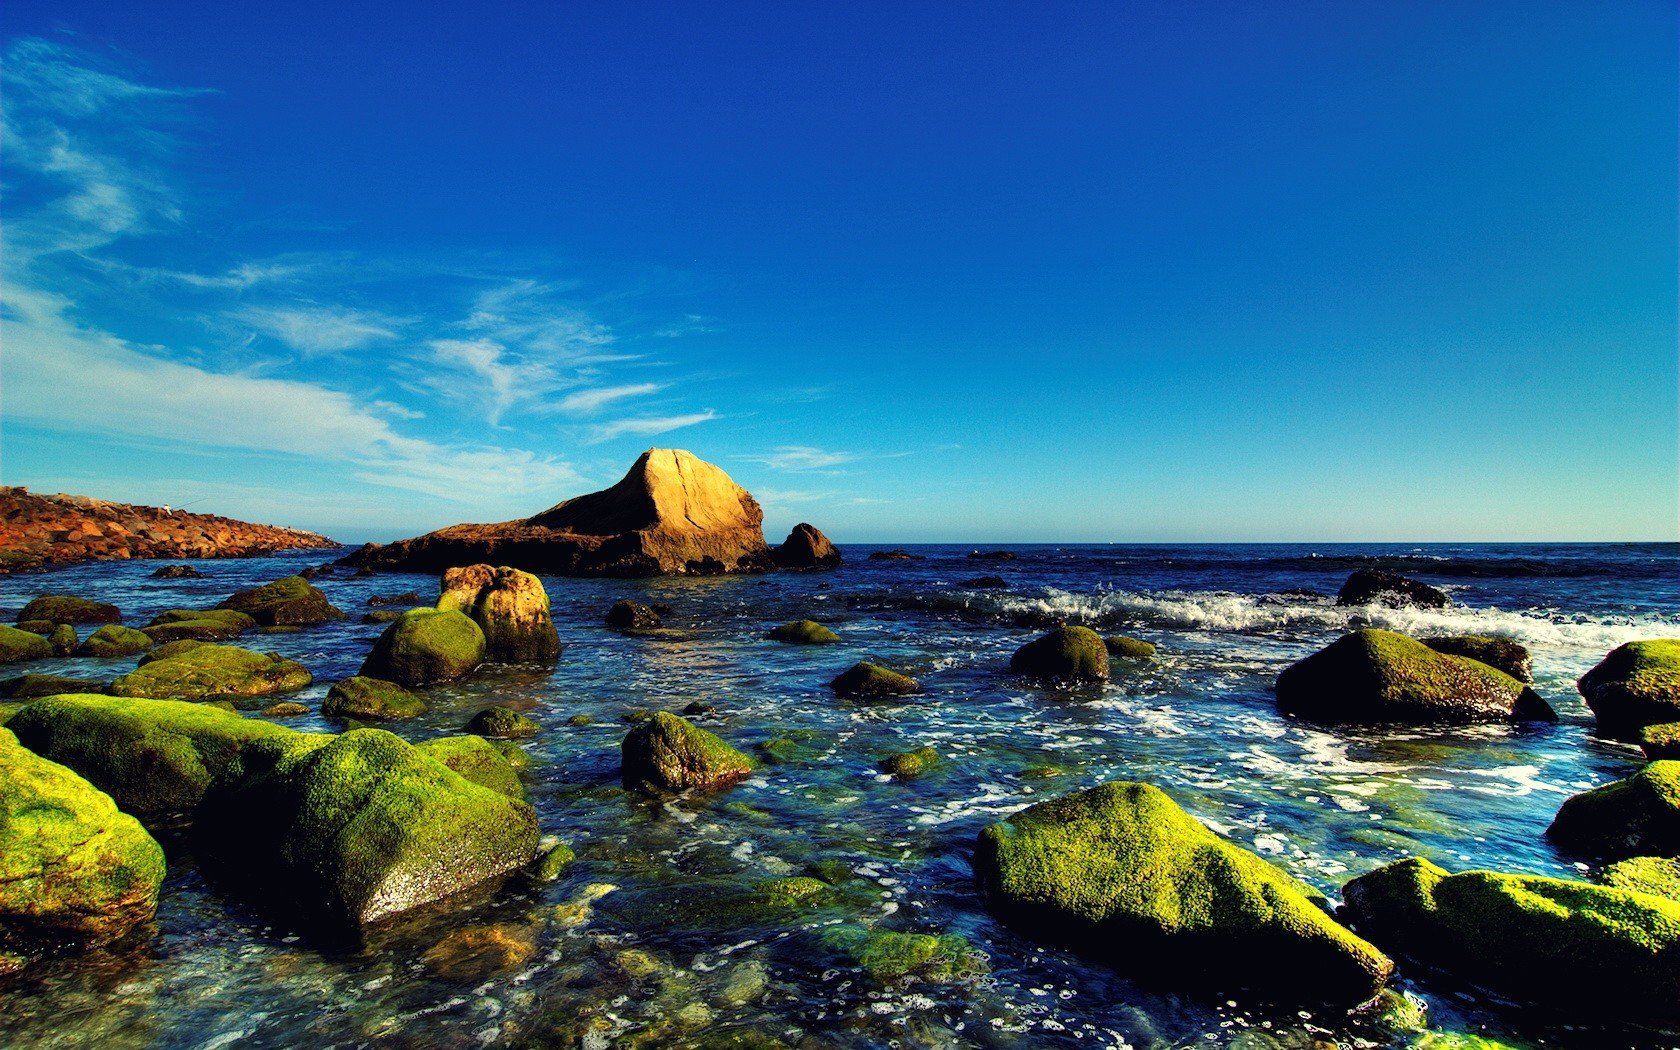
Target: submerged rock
992,555
908,765
217,671
627,615
1598,953
1121,647
1122,872
205,625
17,646
425,646
806,548
177,572
1637,685
476,952
509,606
71,864
889,956
478,760
670,753
64,608
1073,653
802,632
1626,818
503,723
365,699
1502,654
872,681
114,640
1378,677
1381,587
292,601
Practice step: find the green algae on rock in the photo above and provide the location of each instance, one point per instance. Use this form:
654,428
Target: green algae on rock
205,625
426,646
670,753
289,602
71,864
889,956
478,760
1501,654
1626,818
1637,685
1070,653
17,646
908,765
214,671
802,632
1380,677
1121,647
370,698
1121,871
347,830
65,608
113,640
32,686
502,723
872,681
1655,875
1660,741
510,606
1594,952
553,862
63,640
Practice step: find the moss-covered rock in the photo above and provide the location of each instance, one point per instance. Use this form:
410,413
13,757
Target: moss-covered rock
1073,653
214,671
627,615
204,625
71,864
1660,741
908,765
1659,876
1637,685
802,632
152,756
284,709
869,681
1593,952
1380,677
292,601
352,829
670,753
502,723
63,640
509,606
40,627
1628,818
169,650
383,615
64,608
366,699
114,640
1121,647
32,686
425,646
1125,874
1501,654
17,646
553,863
478,760
889,956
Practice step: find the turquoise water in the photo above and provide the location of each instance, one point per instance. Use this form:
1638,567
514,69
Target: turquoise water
670,954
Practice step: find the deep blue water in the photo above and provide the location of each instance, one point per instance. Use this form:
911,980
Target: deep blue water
1200,722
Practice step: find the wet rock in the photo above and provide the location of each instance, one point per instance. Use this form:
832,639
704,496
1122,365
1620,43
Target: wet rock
802,632
1627,818
1660,741
992,555
284,709
1637,685
1381,587
292,601
580,720
405,598
1501,654
17,646
1068,653
1576,949
1123,648
177,572
806,548
114,640
502,723
908,765
64,608
553,863
215,671
40,627
1654,875
63,640
893,556
477,760
1379,677
509,606
33,686
205,625
669,753
1122,872
872,681
627,615
695,709
889,957
383,615
426,646
367,699
476,952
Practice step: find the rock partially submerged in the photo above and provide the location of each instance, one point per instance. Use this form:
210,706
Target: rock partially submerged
802,632
1381,587
806,548
1502,654
502,723
509,606
426,646
1068,653
670,753
869,681
289,602
1637,685
32,686
114,640
1634,817
213,672
629,615
205,625
17,646
370,699
478,760
177,572
65,608
908,765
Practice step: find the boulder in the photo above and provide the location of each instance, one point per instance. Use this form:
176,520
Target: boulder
205,625
114,640
670,753
153,757
71,864
405,598
992,555
17,646
502,723
478,760
214,672
1637,685
368,699
63,640
344,831
1596,953
1073,653
802,632
1121,647
908,765
509,606
890,956
425,646
627,615
1501,654
33,686
40,627
177,572
64,608
1121,872
292,601
1639,816
1659,876
867,681
806,548
1372,677
1380,587
894,555
1660,741
383,615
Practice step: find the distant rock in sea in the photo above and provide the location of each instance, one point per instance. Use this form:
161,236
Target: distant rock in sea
38,532
672,514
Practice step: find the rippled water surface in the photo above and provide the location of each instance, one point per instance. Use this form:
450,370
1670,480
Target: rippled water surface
644,942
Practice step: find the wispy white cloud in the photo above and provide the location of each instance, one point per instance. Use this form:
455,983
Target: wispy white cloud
238,278
588,402
802,457
314,330
647,427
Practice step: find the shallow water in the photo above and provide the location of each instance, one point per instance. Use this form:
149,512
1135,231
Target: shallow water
1200,722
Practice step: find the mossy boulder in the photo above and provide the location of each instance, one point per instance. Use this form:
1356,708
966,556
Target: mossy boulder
509,606
502,723
114,640
1573,948
425,646
40,627
478,760
1381,587
215,672
63,640
17,646
1655,875
347,830
670,753
1069,653
1373,677
1660,741
627,615
908,765
867,681
153,757
1637,685
204,625
289,602
64,608
366,699
1627,818
383,615
1121,647
1120,871
1502,654
32,686
890,956
71,864
802,632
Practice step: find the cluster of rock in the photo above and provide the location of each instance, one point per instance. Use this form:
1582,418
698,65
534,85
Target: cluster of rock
41,531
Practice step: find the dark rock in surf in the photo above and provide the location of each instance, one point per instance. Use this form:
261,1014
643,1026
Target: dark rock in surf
1380,587
806,548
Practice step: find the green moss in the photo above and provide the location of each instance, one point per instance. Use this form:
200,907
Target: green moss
803,632
383,615
17,646
1041,772
890,956
1626,818
1125,874
908,765
1075,653
1124,648
670,753
292,601
791,892
217,671
114,640
64,608
1637,685
1655,875
40,627
833,872
476,759
795,747
1660,741
369,698
513,754
170,650
213,625
580,720
1594,952
71,864
31,686
872,681
63,640
1501,654
152,756
503,723
425,646
554,863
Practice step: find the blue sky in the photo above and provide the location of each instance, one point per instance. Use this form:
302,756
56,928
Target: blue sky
979,272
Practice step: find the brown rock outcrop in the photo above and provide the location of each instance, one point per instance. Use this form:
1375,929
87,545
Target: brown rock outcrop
806,548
